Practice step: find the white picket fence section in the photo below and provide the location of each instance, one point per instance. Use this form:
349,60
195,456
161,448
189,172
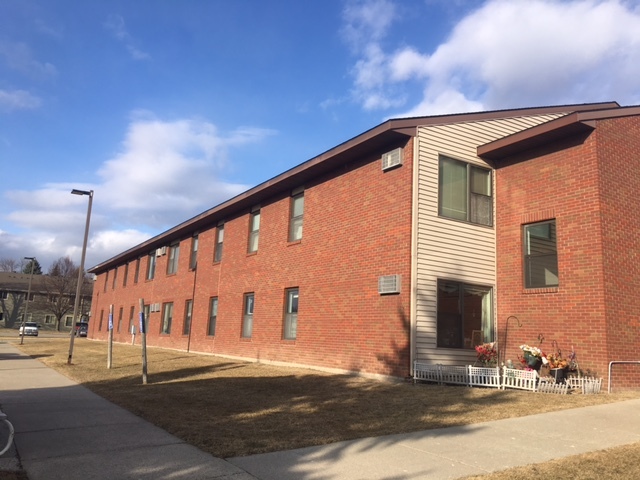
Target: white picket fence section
500,378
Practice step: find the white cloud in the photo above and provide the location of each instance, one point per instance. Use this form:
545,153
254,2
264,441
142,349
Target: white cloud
18,57
18,100
508,54
115,24
165,173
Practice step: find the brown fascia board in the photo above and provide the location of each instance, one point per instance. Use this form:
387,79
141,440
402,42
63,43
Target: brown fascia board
579,122
387,133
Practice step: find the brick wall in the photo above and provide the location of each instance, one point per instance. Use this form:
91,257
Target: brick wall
587,185
357,226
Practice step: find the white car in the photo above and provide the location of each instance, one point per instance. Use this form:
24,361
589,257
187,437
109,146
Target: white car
30,328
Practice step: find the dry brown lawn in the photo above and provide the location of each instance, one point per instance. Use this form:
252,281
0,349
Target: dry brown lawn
231,408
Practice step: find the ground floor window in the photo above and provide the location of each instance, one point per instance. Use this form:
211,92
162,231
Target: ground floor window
291,314
48,319
540,255
465,315
68,320
213,316
167,317
188,310
247,318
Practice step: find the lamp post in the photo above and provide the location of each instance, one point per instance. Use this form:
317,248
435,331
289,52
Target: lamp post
26,303
80,270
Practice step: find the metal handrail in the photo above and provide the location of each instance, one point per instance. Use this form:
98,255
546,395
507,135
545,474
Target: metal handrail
620,362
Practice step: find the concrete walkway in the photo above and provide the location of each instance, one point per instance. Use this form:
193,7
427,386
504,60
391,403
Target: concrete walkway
63,431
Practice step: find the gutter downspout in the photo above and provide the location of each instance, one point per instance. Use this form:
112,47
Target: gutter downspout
414,253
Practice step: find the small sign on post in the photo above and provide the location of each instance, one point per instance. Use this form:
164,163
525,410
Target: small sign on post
110,345
143,336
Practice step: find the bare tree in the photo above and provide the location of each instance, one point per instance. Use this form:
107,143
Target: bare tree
60,286
9,265
12,307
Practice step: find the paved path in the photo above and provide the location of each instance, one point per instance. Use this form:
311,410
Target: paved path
64,431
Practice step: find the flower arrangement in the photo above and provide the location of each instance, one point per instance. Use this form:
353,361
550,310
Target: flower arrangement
532,356
487,353
557,361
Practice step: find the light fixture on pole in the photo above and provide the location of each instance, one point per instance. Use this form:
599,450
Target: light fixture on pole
26,303
80,271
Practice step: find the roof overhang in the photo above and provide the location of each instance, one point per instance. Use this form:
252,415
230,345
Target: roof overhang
386,135
573,124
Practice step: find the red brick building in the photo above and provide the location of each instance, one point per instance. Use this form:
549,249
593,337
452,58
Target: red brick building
415,240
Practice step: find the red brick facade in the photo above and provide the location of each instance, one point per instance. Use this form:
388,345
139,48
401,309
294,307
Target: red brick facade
589,186
357,227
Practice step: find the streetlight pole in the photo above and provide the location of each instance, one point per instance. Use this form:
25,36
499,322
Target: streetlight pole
26,303
80,270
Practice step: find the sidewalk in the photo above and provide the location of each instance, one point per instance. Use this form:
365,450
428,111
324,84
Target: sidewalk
63,431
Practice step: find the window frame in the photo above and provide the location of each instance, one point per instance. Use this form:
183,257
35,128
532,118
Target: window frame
213,316
172,258
167,318
290,321
254,231
487,326
193,253
188,316
528,258
219,244
296,222
248,307
151,265
471,197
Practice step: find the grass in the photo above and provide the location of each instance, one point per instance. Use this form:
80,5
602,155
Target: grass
230,408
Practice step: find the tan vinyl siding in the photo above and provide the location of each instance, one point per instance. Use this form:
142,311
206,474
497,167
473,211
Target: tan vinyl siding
446,248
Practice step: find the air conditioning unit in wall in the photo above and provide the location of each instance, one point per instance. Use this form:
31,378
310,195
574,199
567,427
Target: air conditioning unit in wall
161,251
392,159
389,284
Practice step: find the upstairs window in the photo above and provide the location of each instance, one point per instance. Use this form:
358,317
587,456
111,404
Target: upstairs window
217,253
193,258
465,192
151,265
172,261
126,274
115,277
297,214
540,255
136,274
254,231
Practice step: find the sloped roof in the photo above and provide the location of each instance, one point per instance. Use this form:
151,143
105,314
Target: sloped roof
386,135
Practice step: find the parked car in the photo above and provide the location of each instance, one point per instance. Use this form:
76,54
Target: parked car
29,328
81,329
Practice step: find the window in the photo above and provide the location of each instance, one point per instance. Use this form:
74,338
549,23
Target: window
106,280
101,319
297,213
68,320
188,311
213,316
254,231
217,253
291,314
126,274
247,318
465,315
167,316
137,272
120,312
4,295
465,192
48,319
151,265
540,255
193,257
132,313
172,262
115,277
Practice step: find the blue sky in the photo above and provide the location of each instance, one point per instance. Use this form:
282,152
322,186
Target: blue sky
166,108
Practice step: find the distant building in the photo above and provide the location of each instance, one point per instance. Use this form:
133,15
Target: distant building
416,240
14,288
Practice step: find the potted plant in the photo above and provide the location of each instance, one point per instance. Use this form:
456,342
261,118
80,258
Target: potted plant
532,357
487,354
558,366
